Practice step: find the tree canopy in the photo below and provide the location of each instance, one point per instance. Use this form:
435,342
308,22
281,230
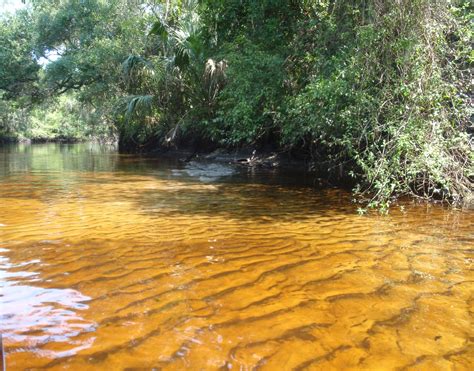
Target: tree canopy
376,90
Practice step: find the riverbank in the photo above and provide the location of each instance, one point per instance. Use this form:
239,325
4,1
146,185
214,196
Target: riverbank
322,176
251,158
65,140
40,141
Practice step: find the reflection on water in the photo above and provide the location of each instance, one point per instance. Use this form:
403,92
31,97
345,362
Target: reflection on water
116,261
32,315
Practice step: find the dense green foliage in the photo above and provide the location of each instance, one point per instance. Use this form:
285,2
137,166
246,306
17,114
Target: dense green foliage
18,73
376,90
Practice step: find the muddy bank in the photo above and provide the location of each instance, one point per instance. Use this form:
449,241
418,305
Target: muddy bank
247,157
259,159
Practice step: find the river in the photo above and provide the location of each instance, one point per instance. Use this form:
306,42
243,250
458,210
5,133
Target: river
112,261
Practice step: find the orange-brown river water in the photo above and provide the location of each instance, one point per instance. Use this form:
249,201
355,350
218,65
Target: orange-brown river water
113,262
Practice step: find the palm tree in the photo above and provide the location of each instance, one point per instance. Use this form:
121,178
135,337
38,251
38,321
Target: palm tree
166,87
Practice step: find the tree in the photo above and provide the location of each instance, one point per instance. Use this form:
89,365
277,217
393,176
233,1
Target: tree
376,92
19,67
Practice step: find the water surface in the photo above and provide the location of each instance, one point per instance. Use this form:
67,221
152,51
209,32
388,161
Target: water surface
112,261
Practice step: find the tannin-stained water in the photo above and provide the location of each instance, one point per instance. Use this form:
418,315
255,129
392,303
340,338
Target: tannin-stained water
112,261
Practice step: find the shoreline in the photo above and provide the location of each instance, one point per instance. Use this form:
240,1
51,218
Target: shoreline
249,158
8,140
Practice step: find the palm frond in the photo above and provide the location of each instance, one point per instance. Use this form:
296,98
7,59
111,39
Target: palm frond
134,62
139,105
214,76
160,29
214,71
